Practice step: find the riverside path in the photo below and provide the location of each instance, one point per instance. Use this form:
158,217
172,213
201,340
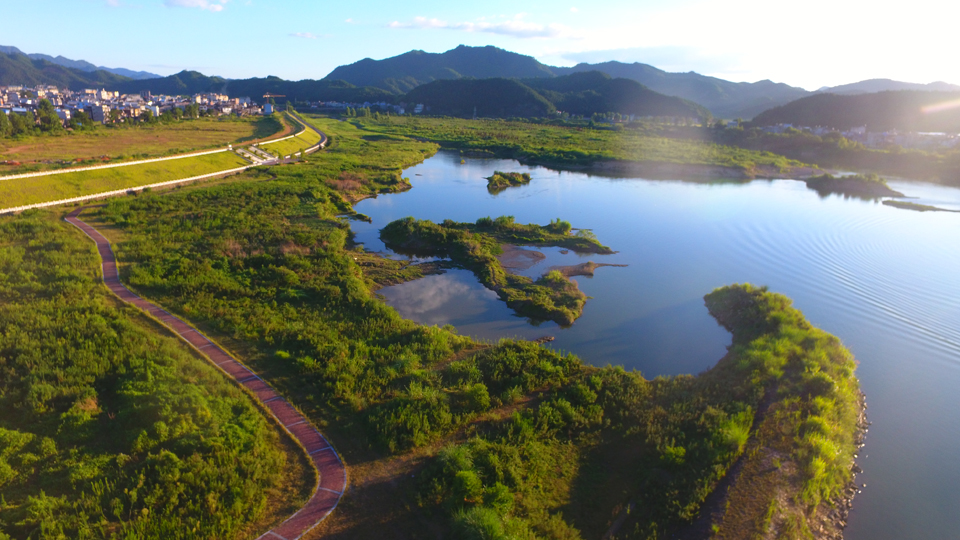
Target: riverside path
331,475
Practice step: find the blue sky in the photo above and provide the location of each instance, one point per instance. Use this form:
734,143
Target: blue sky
809,43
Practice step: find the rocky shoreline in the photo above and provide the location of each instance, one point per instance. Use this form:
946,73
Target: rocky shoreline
832,518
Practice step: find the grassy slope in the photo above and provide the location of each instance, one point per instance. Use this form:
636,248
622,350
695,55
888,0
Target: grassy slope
289,147
108,424
563,145
139,142
76,184
444,434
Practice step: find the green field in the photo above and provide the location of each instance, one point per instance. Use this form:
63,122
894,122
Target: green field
289,147
68,185
573,145
122,143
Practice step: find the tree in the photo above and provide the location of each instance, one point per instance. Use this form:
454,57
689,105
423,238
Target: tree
47,115
80,120
22,123
6,129
114,115
147,116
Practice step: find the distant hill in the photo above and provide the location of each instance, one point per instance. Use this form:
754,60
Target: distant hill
81,65
595,92
402,73
725,99
907,110
871,86
407,71
581,93
496,97
18,68
193,82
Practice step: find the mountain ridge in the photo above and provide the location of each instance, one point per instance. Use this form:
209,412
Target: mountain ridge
81,65
904,110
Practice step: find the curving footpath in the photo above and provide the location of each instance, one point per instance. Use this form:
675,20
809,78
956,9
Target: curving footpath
332,476
105,194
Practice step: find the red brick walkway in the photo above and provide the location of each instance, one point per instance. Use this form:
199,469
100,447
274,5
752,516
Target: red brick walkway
332,476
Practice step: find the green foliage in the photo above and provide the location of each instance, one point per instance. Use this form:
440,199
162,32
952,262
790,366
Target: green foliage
501,180
812,373
866,186
576,145
106,428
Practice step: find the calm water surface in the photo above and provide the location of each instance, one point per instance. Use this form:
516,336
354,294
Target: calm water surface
882,279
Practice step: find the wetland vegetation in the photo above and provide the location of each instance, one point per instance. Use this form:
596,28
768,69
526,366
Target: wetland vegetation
440,432
600,147
868,186
110,427
501,181
476,247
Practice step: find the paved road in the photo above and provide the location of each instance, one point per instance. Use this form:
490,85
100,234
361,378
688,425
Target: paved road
332,476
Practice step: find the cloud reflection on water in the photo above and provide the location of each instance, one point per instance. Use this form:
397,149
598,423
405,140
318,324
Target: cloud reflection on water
441,299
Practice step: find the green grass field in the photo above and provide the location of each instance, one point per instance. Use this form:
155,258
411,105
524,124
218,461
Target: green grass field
130,143
69,185
291,146
572,145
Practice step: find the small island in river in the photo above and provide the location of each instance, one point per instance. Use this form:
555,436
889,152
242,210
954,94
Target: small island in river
503,180
868,186
476,246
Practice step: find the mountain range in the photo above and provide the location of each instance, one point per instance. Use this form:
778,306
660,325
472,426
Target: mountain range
905,110
579,93
872,86
391,78
81,65
404,72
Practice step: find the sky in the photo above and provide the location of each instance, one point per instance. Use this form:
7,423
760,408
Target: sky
810,43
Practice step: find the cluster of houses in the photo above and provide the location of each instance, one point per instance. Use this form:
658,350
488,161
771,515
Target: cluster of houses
99,104
376,106
880,139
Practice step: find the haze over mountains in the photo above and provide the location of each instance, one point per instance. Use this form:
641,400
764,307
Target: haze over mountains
398,78
82,65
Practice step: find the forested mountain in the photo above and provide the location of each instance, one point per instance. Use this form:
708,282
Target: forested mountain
18,68
192,82
581,93
725,99
81,65
495,97
595,92
406,71
886,85
908,110
402,73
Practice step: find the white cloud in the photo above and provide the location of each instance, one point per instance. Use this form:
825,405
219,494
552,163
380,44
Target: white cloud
349,21
574,10
305,35
208,5
515,27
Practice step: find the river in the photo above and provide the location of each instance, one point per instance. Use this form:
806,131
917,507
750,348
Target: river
884,280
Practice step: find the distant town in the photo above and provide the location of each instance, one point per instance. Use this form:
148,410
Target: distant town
877,139
108,106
